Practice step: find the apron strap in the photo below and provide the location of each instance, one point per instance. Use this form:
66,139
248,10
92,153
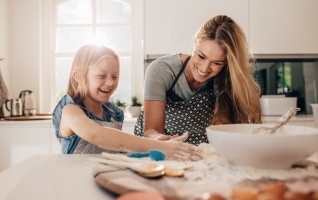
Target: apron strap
180,72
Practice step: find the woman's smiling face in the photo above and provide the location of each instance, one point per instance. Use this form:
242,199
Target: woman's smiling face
207,60
102,79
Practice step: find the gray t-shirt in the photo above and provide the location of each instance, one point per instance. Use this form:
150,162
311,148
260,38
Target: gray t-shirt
160,75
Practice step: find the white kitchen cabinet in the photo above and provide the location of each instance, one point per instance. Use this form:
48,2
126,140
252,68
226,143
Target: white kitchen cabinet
129,125
55,146
171,25
21,141
283,27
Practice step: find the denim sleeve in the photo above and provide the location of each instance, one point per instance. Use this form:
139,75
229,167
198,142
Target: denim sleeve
115,112
57,113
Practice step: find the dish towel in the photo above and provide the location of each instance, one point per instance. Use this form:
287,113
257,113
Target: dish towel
3,95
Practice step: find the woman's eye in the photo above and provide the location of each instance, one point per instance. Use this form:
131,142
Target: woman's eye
200,56
218,64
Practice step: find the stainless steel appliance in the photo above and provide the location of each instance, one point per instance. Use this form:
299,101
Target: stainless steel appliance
15,107
28,102
291,77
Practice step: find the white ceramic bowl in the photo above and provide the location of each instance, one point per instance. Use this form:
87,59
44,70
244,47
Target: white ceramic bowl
288,145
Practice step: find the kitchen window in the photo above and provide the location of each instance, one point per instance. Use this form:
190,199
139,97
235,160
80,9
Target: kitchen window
117,24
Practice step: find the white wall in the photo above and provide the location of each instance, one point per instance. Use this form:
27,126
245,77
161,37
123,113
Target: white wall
4,64
4,51
28,34
24,48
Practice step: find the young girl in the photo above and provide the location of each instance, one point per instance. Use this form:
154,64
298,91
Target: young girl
86,123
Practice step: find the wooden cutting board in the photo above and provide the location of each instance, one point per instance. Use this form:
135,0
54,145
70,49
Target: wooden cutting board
34,117
122,181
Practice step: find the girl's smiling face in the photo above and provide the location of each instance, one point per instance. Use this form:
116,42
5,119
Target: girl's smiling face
102,80
207,60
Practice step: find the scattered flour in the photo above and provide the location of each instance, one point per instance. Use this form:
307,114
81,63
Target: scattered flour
220,174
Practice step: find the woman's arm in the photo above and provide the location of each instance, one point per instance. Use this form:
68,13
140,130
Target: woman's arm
74,120
154,115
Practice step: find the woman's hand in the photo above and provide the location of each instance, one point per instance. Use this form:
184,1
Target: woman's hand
153,134
178,150
182,137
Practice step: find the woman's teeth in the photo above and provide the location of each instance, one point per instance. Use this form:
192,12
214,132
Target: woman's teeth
202,73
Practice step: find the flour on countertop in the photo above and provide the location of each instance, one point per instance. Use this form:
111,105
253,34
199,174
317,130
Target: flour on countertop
221,174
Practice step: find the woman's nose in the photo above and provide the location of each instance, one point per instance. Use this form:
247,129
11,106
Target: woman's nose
206,65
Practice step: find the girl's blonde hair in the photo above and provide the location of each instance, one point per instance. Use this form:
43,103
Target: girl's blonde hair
238,91
86,56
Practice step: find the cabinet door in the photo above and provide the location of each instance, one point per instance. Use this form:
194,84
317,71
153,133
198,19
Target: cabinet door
55,144
18,143
129,125
171,25
284,27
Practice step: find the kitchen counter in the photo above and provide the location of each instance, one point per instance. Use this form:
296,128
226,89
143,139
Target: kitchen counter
20,140
132,120
296,118
127,120
55,177
64,177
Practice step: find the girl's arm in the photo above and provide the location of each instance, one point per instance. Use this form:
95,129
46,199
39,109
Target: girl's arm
74,120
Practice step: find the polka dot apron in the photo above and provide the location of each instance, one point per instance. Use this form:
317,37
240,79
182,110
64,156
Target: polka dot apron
191,115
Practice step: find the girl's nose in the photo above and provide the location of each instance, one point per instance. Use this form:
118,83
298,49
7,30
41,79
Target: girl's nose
109,82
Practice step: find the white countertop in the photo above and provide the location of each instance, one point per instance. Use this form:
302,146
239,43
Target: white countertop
52,177
127,120
132,120
65,177
309,117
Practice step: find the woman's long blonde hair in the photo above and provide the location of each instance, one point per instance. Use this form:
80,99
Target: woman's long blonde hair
238,92
86,56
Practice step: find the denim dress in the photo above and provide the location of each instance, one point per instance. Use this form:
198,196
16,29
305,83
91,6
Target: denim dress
113,118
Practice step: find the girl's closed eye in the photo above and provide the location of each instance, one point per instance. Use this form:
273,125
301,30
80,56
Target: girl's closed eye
101,76
115,77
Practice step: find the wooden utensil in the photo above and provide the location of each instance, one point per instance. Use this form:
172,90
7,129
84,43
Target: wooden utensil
168,171
144,169
281,121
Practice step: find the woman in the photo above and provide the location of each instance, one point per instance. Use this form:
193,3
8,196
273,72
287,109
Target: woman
214,85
